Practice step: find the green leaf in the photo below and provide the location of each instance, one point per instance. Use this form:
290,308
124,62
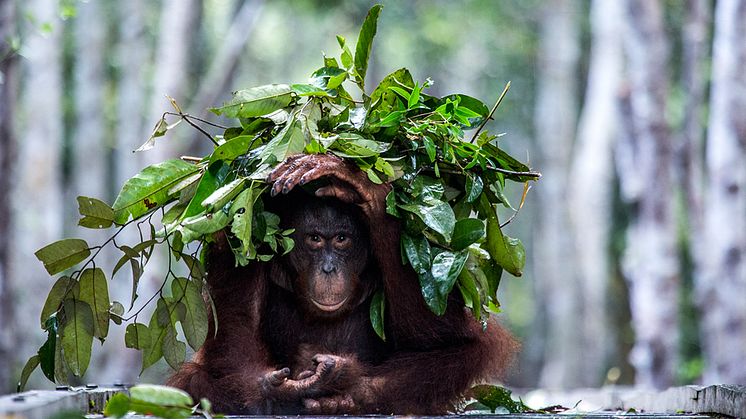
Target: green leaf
94,291
174,351
445,269
96,213
63,254
229,150
214,177
194,323
55,297
495,396
30,366
158,327
242,212
223,195
149,189
77,336
417,251
506,251
474,186
160,395
137,336
257,101
364,44
377,313
310,90
117,406
385,99
48,350
466,232
436,214
290,140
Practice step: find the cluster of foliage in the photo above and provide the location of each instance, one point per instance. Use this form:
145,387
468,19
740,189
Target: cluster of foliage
446,186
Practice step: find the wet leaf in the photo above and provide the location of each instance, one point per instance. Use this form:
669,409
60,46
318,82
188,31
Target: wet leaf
377,313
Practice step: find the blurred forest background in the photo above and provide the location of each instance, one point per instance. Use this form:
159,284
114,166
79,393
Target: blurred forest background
633,110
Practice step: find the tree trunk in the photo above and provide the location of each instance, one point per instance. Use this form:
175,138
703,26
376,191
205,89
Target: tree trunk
177,26
650,262
590,187
8,92
555,118
722,285
36,191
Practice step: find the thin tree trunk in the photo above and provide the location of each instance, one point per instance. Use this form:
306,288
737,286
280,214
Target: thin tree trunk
555,118
650,262
590,186
722,285
8,92
36,192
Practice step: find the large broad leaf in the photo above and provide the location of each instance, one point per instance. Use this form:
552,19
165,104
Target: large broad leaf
290,140
365,42
214,177
96,213
149,189
63,254
257,101
151,400
77,335
232,148
242,213
224,194
438,283
55,297
94,291
436,214
194,322
174,351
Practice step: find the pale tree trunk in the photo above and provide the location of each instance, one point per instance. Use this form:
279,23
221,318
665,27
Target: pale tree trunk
89,150
650,262
178,24
37,193
722,285
589,187
132,56
555,118
695,53
8,92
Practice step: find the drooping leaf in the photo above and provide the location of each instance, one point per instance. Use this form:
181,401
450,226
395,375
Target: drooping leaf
364,44
158,327
94,291
63,254
137,336
446,267
257,101
194,323
506,251
77,335
96,213
55,297
377,313
174,351
149,189
30,366
48,351
242,212
417,251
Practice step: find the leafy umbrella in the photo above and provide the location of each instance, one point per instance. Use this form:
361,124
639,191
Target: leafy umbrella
448,175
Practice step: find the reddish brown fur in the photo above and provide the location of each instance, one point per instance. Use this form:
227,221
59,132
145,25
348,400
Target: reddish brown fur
425,365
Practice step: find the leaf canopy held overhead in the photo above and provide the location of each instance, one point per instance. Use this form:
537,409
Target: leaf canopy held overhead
448,176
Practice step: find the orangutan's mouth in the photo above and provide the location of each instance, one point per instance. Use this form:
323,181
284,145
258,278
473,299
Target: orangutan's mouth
328,307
